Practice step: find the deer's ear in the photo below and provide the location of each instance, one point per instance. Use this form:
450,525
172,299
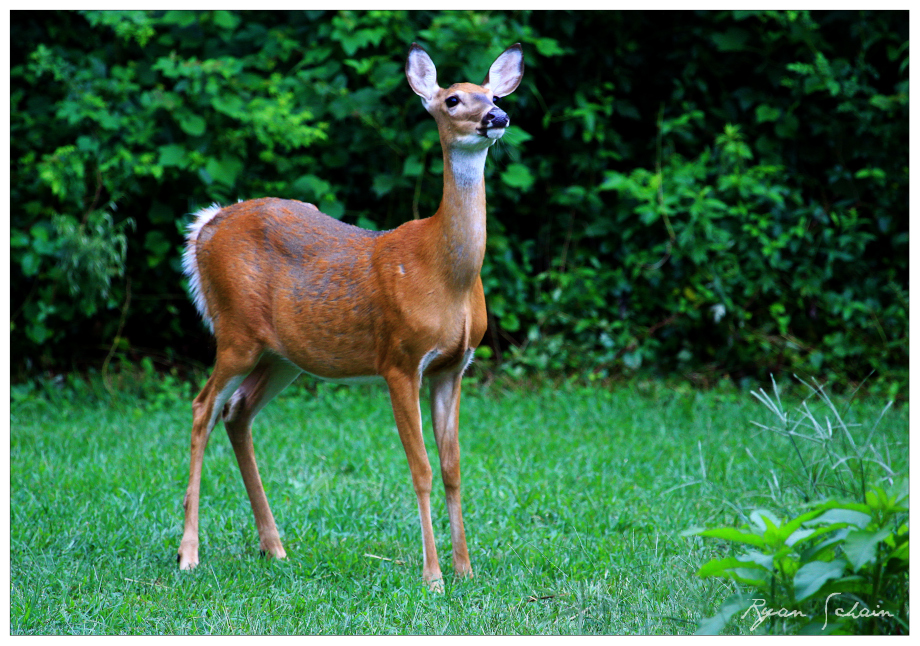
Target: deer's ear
506,72
422,75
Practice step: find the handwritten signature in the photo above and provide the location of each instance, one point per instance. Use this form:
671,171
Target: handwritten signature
761,612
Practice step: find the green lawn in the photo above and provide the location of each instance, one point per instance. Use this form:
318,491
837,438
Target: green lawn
575,499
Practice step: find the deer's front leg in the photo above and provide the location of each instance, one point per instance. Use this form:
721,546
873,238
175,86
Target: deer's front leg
445,415
404,397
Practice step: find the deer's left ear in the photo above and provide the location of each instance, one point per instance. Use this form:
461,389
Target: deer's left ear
506,72
422,75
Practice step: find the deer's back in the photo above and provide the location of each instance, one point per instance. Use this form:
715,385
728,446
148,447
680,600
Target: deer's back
272,268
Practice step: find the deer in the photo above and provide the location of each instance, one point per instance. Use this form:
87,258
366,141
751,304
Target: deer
286,290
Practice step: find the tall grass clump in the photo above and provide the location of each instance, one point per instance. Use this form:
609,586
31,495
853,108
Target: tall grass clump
835,559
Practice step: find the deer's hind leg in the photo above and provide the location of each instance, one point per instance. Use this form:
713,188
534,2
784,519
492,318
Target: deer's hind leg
230,369
269,378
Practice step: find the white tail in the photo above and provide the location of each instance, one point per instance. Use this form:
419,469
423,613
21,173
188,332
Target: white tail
287,289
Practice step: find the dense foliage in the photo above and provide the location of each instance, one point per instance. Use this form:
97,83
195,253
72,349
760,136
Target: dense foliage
704,192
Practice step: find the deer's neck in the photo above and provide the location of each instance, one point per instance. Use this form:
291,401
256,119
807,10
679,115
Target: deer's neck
461,218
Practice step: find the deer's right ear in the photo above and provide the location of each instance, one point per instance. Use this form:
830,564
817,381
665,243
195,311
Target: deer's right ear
422,75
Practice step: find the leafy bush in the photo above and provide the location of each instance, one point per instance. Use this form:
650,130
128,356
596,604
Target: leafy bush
840,566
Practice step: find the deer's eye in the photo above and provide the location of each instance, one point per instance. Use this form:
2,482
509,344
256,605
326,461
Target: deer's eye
451,101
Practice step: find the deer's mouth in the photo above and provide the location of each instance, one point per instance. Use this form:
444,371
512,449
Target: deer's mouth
492,131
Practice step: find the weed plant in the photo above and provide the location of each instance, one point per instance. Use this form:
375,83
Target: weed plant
841,565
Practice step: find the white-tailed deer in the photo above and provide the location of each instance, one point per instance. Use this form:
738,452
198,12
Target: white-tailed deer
287,289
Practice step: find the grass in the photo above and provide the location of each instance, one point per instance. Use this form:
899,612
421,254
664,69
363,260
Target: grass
575,499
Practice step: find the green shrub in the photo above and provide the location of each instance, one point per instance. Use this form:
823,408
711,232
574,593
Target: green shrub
841,566
708,193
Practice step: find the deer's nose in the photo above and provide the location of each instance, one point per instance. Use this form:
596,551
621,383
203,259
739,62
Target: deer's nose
496,118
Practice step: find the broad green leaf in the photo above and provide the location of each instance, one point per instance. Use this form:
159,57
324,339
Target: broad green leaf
873,173
613,181
733,40
765,113
836,504
226,20
838,533
729,608
332,208
30,263
412,167
192,124
230,104
172,155
384,183
718,567
860,547
763,560
313,188
901,552
764,519
518,176
735,535
877,498
18,239
847,516
793,532
811,576
224,169
510,322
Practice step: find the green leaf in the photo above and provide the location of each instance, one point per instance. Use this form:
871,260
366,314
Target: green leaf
510,322
312,187
38,333
733,40
860,547
483,352
720,567
870,173
172,155
192,124
518,176
845,516
548,47
332,208
230,104
766,113
729,608
901,552
18,239
734,535
366,223
224,169
30,263
764,520
383,184
613,181
412,167
226,20
812,576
